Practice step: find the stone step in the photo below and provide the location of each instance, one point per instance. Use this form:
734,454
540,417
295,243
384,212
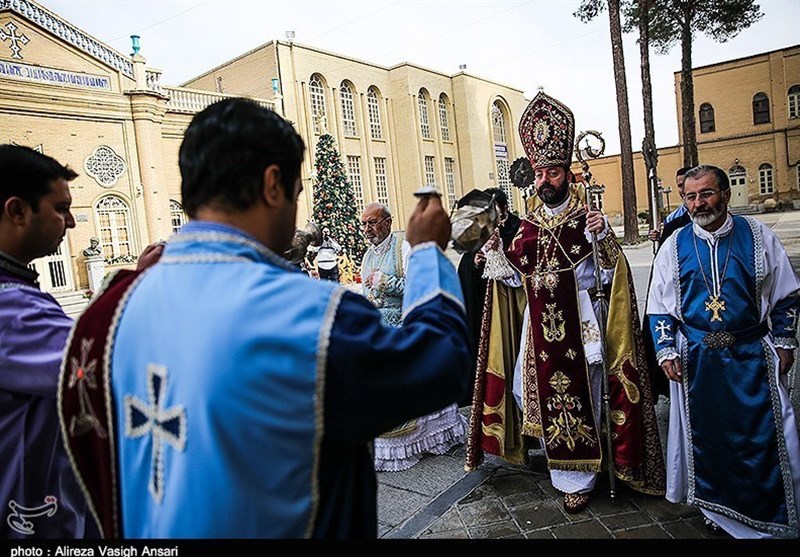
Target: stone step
73,302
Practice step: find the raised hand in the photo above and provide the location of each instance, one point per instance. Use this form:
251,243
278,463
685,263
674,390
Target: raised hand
429,222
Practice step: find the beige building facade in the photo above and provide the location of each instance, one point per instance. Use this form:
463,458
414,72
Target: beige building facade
395,128
748,124
107,115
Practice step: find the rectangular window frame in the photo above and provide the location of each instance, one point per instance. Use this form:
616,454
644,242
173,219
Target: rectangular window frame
450,180
354,175
430,170
381,181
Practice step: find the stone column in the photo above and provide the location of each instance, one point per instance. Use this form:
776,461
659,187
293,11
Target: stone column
148,108
95,269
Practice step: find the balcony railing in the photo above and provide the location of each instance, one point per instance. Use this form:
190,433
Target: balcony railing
191,100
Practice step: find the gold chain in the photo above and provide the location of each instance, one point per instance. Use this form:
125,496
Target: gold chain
714,304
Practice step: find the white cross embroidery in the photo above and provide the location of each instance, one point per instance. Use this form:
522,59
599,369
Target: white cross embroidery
792,315
663,328
163,425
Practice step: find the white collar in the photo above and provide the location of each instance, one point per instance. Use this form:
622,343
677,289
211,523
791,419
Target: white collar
712,237
552,211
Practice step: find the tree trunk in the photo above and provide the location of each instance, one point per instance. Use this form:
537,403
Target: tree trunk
687,90
649,151
631,219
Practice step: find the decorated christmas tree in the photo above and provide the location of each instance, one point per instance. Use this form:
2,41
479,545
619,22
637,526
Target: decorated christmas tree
334,202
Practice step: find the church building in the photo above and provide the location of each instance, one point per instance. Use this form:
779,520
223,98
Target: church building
108,116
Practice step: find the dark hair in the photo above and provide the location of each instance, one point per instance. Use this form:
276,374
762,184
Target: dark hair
719,174
683,170
500,195
225,150
28,174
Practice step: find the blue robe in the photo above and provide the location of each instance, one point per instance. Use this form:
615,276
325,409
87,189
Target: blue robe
39,497
737,420
247,395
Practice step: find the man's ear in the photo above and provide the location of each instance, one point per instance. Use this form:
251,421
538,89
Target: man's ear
16,210
272,189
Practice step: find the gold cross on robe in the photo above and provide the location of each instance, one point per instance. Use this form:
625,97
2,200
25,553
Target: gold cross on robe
715,305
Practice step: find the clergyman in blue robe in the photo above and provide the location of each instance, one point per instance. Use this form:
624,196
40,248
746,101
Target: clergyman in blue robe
246,395
722,312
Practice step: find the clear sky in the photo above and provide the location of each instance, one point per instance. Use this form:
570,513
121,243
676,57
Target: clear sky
522,44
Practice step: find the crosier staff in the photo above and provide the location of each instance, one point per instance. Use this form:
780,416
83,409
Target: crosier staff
651,160
592,189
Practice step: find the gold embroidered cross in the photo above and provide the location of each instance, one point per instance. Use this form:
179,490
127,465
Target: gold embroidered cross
555,331
715,305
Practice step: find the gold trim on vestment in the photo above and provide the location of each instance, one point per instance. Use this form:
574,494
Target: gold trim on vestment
592,465
623,348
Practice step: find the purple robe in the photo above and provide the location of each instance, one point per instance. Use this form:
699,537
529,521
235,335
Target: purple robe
39,497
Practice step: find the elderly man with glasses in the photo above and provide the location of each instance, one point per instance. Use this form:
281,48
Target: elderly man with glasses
382,267
383,282
723,311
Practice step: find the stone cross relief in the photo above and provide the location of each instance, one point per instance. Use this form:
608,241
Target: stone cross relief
14,39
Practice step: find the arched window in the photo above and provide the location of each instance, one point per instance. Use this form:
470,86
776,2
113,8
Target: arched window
374,110
760,108
316,90
499,133
176,215
444,120
114,223
424,121
765,179
706,118
737,175
498,123
794,101
348,109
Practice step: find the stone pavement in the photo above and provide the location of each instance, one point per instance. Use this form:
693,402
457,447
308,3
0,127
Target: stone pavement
437,499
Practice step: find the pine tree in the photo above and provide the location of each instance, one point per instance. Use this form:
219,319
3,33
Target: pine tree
334,202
